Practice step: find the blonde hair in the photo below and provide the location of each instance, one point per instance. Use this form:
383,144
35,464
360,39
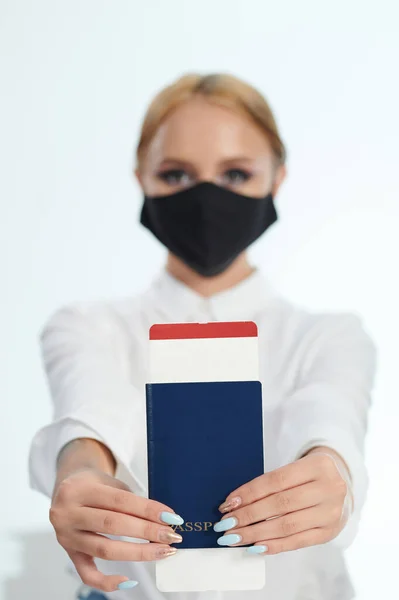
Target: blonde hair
225,90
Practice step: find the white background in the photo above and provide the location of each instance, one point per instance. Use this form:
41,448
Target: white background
75,77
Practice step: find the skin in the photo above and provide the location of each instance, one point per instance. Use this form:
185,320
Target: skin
199,141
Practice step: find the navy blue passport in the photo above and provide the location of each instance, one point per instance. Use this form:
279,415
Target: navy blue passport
204,440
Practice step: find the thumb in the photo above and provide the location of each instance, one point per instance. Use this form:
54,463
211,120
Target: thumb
91,576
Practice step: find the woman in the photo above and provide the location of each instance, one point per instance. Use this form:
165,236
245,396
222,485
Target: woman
210,162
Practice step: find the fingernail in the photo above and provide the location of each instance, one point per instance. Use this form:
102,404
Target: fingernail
225,524
127,585
229,540
257,549
171,518
230,504
169,537
165,552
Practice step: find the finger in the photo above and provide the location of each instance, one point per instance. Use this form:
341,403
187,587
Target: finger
126,502
112,482
102,547
91,576
284,526
292,500
112,523
311,537
292,475
76,489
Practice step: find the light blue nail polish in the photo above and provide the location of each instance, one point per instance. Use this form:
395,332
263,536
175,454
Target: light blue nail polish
225,524
257,549
229,540
171,518
127,585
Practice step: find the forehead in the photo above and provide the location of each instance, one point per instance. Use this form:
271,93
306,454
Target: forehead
201,128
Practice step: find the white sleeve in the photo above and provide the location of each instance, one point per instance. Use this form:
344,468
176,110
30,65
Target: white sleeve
330,403
85,359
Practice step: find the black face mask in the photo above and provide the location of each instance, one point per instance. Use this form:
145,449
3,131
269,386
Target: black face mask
207,226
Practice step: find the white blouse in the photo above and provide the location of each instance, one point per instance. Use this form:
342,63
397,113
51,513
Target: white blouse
317,372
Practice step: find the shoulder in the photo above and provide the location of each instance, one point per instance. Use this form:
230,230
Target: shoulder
302,323
307,337
103,319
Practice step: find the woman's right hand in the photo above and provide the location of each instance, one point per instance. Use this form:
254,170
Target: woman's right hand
88,505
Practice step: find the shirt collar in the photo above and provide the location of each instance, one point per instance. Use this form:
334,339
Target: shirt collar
179,303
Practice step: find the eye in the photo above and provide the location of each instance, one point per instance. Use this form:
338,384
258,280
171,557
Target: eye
175,177
236,176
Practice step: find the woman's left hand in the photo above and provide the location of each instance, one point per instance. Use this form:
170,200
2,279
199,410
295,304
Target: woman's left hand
299,505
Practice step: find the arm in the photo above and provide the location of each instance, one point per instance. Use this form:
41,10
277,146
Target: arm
85,355
74,459
330,404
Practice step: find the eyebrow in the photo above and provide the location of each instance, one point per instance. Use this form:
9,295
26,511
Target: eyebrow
175,161
237,159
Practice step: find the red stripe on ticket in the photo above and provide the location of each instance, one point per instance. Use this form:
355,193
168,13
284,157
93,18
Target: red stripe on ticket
184,331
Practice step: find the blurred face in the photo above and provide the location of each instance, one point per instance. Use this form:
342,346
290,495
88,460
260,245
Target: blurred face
201,141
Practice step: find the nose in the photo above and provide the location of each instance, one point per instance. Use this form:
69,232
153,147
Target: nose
208,175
